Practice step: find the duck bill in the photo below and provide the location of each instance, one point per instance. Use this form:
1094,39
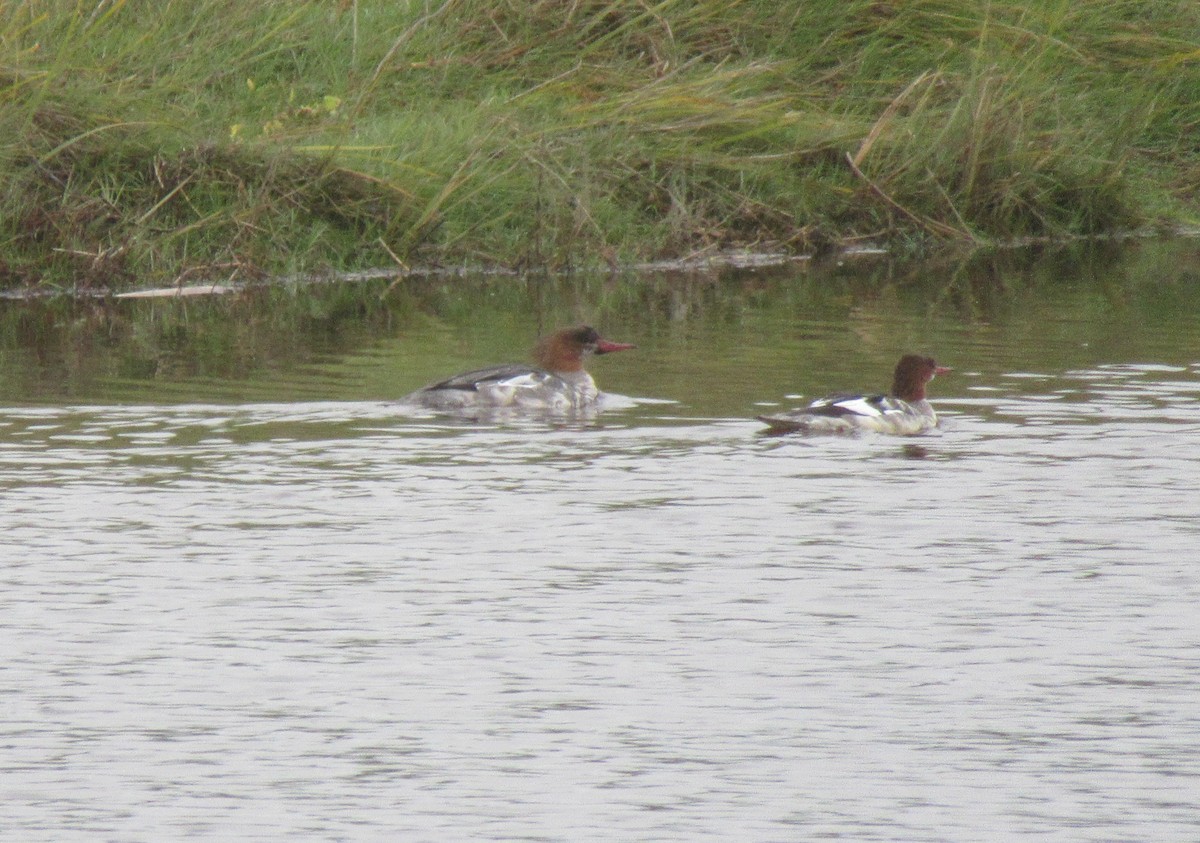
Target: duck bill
941,370
606,347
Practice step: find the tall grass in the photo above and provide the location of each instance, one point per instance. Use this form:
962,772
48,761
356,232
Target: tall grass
171,139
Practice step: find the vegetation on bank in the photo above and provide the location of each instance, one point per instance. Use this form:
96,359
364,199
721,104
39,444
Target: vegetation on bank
217,139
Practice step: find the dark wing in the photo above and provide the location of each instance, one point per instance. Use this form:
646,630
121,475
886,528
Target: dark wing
847,405
471,381
842,405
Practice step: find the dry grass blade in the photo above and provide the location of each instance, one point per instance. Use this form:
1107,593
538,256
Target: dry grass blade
885,118
932,226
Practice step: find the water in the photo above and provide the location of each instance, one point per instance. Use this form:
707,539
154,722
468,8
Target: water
268,604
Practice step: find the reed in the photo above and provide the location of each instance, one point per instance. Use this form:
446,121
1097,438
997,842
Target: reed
141,140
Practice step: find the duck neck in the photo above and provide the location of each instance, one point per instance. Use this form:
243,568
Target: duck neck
554,354
908,390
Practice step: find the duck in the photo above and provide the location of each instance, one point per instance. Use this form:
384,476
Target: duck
557,383
905,411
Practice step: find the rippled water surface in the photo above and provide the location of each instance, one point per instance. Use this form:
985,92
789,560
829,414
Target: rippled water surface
272,605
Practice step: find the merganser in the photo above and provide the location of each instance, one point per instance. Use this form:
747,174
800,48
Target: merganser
558,384
905,411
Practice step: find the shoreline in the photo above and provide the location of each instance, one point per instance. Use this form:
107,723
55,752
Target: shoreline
732,259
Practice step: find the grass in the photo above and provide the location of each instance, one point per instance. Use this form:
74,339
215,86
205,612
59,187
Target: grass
175,140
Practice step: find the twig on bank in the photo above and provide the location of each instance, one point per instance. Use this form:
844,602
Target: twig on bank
404,269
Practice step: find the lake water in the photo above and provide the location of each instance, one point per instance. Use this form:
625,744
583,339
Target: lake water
246,596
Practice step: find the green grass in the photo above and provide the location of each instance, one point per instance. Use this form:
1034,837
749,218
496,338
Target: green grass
167,140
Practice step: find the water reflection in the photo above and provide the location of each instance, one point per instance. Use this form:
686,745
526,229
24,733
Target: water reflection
716,342
259,614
